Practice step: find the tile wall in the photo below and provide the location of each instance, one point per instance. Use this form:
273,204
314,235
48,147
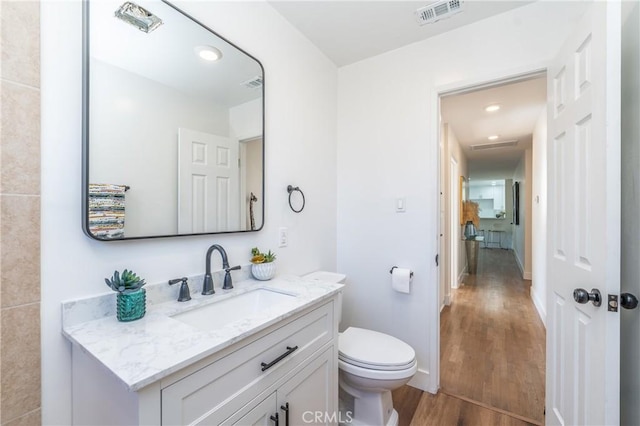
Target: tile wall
20,213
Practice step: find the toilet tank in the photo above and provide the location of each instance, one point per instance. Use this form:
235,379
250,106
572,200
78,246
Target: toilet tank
332,277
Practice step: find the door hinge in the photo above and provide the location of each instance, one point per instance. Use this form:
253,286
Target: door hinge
437,260
612,303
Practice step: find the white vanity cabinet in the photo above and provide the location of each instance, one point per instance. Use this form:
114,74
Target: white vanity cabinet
301,399
293,361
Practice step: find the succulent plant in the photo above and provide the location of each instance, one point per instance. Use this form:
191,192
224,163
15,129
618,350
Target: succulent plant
127,282
259,257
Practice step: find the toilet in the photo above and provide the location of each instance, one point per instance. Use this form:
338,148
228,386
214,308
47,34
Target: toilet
371,365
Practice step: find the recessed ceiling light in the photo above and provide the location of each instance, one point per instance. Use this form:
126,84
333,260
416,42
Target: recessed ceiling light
493,137
208,53
492,108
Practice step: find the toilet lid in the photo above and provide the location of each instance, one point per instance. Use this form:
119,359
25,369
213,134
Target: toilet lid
379,351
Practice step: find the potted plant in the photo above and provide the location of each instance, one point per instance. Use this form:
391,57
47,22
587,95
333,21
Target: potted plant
470,218
263,264
131,301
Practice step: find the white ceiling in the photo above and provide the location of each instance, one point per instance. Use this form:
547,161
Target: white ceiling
348,31
521,105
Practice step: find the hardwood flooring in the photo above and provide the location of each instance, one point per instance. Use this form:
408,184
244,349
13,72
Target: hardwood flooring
492,367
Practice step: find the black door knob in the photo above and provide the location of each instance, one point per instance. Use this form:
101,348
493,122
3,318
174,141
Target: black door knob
628,301
582,296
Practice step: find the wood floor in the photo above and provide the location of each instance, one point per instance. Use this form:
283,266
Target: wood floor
492,345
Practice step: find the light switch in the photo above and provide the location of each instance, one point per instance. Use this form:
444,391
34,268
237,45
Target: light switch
283,237
401,205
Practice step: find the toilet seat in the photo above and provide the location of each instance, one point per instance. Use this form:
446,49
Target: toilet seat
382,375
368,349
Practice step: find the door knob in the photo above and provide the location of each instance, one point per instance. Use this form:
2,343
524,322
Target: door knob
581,296
628,301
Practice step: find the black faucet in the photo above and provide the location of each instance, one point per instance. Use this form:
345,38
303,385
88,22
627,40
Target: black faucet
207,285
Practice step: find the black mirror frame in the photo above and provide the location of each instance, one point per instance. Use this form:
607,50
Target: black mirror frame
85,130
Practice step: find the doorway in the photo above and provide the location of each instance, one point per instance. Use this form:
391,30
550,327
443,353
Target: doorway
492,338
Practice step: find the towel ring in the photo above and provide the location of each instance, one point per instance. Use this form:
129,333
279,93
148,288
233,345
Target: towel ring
291,190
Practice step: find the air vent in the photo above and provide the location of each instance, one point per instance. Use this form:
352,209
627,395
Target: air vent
254,83
504,144
438,10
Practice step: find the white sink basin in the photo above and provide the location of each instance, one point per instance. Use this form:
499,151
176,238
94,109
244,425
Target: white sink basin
235,308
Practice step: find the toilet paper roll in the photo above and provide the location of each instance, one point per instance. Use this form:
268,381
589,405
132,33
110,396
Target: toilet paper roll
401,280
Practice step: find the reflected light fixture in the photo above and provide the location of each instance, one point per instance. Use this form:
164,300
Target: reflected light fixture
138,16
493,137
208,53
492,108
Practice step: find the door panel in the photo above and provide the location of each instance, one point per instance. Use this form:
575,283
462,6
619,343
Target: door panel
208,183
584,213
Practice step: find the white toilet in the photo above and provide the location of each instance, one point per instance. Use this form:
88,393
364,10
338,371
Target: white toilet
371,365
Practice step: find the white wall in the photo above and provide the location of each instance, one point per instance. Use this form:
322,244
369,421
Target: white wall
539,216
388,147
522,231
150,114
457,153
245,120
300,146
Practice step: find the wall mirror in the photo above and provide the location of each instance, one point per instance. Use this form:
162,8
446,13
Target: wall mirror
173,126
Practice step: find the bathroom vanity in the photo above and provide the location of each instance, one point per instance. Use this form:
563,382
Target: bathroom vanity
257,353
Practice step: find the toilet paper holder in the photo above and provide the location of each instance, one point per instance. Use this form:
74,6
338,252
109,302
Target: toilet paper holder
394,267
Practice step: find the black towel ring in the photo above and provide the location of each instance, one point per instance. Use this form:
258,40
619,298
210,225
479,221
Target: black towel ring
291,190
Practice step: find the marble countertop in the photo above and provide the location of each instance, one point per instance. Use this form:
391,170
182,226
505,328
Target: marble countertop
146,350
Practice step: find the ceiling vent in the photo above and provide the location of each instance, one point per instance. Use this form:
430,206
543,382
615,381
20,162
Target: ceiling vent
504,144
438,10
254,83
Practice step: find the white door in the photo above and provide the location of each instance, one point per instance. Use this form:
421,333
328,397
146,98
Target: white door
208,183
262,414
583,341
310,397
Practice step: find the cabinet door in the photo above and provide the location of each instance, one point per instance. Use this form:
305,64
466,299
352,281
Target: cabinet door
256,415
311,394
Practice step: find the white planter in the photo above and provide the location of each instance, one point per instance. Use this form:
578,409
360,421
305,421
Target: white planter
263,271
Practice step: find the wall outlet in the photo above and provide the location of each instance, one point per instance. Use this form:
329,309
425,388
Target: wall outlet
283,237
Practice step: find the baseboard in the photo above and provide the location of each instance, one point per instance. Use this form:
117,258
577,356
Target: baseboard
445,302
519,263
539,307
461,276
526,275
421,381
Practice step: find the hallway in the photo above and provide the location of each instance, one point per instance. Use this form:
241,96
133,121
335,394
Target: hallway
492,343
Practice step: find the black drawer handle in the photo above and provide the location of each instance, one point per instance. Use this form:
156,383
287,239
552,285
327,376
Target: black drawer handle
289,351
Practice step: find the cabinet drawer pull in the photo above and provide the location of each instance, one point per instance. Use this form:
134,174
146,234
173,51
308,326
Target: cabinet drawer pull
285,408
275,419
289,351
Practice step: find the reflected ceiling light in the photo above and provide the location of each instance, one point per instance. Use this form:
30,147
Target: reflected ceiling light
208,53
492,108
493,137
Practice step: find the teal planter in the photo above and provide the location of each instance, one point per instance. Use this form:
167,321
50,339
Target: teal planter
131,306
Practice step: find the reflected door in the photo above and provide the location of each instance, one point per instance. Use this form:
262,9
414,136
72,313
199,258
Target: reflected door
208,183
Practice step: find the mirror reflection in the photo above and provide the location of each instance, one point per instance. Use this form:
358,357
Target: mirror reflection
173,132
490,196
